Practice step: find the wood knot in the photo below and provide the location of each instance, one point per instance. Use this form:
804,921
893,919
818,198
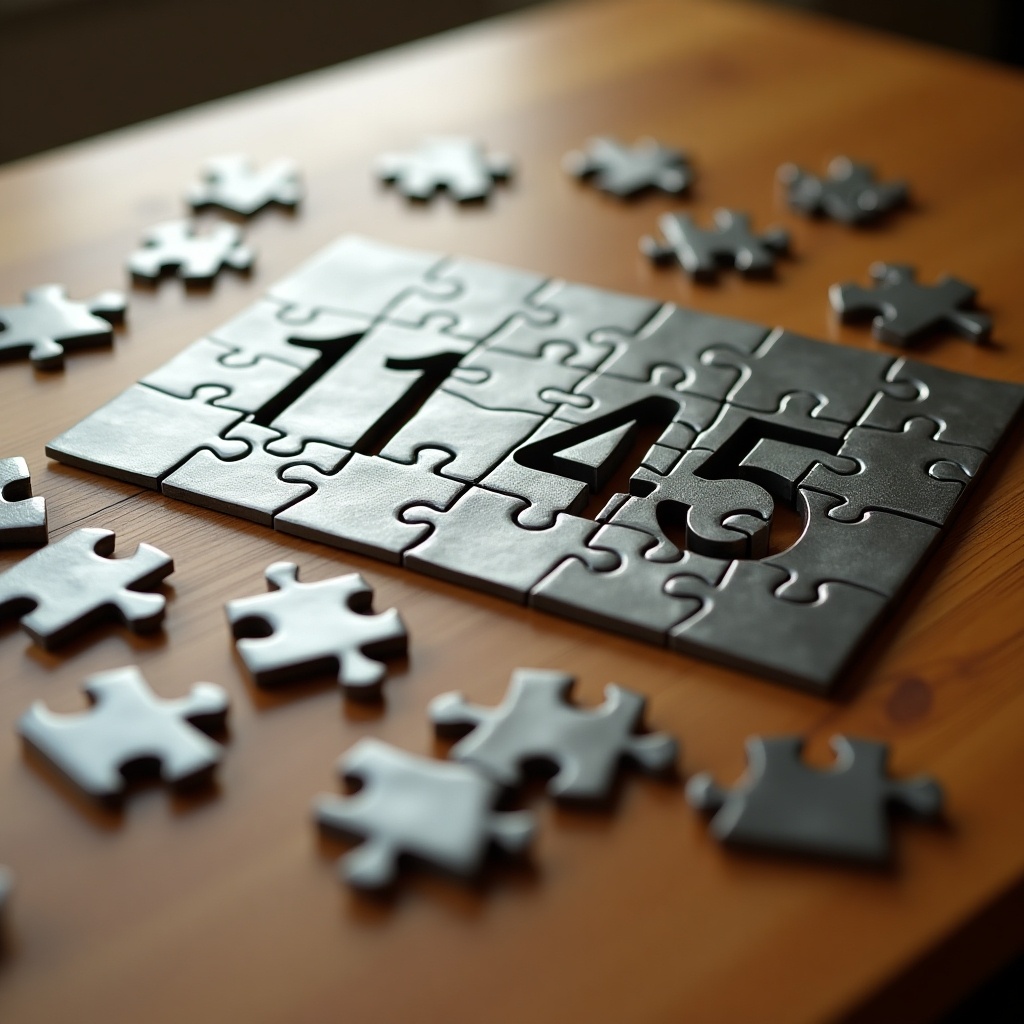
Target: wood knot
910,701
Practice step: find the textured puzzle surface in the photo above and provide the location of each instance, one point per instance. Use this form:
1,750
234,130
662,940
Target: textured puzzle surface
468,420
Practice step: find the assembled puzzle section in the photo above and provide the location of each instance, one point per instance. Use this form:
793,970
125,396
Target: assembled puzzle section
466,420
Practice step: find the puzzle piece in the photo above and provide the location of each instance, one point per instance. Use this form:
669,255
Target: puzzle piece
454,163
62,590
743,624
48,324
356,507
178,247
700,251
850,193
626,170
22,517
252,486
129,729
629,598
434,811
968,410
783,804
907,471
907,310
779,467
537,721
316,627
143,434
233,183
478,543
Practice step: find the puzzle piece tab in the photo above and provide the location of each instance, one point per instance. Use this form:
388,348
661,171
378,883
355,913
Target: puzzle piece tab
627,170
453,163
196,256
233,183
850,193
22,517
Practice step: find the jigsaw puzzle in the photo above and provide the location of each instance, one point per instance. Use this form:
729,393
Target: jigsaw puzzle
129,731
625,171
849,193
22,517
470,421
177,246
48,324
458,165
434,811
234,184
841,812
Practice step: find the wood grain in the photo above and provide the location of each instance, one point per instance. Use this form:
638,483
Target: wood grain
226,908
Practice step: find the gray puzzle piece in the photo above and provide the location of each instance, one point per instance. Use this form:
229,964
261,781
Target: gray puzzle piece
129,728
629,598
233,183
538,722
454,163
143,434
62,590
48,324
196,256
878,552
700,251
969,410
850,193
783,804
743,624
356,508
435,811
22,517
478,544
313,628
779,467
905,471
907,310
627,170
252,486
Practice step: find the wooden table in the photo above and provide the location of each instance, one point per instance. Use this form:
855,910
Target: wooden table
226,908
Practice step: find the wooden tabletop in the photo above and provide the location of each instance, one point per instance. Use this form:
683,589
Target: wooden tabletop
226,907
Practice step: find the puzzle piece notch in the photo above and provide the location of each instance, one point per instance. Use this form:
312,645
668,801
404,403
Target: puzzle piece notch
537,721
850,193
907,311
783,804
434,811
48,324
22,517
128,728
454,163
316,627
701,251
625,171
233,183
197,257
65,588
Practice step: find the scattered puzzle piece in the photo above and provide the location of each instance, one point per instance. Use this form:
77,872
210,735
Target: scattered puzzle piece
233,183
435,811
841,812
907,310
48,324
626,170
456,164
62,590
701,251
850,193
538,722
128,729
197,257
316,627
22,517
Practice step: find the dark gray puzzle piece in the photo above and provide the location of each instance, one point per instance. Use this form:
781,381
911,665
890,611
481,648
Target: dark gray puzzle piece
435,811
63,589
48,324
850,193
779,466
907,310
454,163
233,183
22,517
196,256
627,170
316,627
700,251
783,804
538,722
128,727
